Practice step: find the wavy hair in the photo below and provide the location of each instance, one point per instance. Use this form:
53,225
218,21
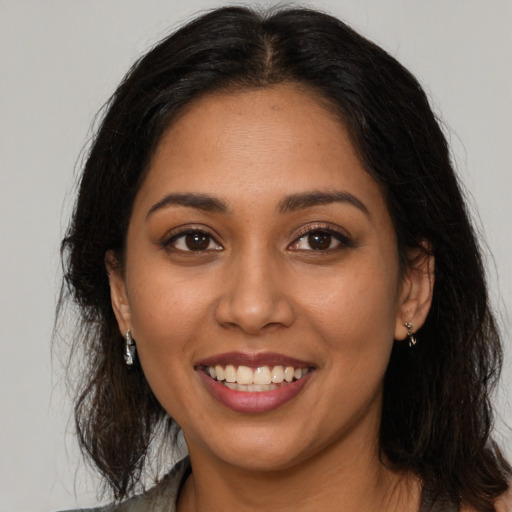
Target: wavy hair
437,416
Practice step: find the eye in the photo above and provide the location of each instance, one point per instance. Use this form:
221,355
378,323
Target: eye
193,240
320,239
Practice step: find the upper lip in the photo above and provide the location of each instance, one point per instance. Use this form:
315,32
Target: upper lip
253,360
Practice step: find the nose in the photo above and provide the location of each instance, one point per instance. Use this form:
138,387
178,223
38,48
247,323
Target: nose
255,297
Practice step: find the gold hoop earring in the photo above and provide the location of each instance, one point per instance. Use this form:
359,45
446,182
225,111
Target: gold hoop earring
410,335
129,349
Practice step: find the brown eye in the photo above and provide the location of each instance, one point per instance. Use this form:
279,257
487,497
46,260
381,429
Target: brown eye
197,241
193,240
319,240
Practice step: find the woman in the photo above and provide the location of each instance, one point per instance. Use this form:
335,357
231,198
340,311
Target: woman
270,250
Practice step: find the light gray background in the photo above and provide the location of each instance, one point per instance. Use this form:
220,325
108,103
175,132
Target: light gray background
61,59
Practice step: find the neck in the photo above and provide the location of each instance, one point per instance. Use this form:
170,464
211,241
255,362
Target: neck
341,479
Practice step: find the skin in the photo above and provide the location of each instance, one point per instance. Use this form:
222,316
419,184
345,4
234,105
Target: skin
258,286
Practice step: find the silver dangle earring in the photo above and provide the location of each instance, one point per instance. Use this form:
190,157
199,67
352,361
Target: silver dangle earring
410,335
129,349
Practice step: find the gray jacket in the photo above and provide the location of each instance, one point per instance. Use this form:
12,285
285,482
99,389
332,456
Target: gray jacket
163,497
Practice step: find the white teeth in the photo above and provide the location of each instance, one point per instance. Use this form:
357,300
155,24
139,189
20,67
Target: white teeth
244,375
230,374
262,378
220,374
249,388
262,375
277,374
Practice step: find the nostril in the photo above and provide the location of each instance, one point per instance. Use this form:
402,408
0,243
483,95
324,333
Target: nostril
253,298
266,317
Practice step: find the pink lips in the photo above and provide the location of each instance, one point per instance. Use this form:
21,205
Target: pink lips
253,360
252,402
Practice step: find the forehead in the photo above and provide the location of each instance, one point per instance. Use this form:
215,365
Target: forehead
257,144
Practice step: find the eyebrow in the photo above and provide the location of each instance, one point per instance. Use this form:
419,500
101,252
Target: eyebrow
200,201
289,204
308,199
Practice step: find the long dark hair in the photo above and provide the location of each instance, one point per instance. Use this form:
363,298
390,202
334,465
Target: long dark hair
437,415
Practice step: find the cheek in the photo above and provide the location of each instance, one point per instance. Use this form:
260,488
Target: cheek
168,313
355,300
354,316
166,324
165,303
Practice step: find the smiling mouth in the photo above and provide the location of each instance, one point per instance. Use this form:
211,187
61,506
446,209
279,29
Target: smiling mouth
259,379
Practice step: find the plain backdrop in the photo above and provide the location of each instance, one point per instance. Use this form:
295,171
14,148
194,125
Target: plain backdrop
60,61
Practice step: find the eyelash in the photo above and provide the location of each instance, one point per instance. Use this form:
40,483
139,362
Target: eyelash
170,241
342,238
324,229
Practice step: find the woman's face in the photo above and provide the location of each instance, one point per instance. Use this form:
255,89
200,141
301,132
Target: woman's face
259,251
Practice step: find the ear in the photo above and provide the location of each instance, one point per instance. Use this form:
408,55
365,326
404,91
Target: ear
118,294
416,292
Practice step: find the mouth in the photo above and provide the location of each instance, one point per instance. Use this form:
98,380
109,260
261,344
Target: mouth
254,383
260,379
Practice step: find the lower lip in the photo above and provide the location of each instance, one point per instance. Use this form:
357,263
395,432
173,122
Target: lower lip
254,402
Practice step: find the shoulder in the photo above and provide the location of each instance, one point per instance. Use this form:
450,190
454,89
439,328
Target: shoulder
162,497
504,503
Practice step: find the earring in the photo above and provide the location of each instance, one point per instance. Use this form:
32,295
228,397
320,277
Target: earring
129,349
412,338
